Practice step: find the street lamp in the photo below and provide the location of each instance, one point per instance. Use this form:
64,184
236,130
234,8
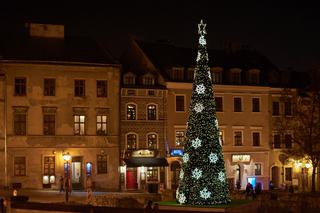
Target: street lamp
66,157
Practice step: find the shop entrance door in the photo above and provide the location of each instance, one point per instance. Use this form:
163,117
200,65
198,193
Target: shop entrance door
131,179
275,172
77,182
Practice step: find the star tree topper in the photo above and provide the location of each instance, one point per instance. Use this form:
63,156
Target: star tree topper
202,28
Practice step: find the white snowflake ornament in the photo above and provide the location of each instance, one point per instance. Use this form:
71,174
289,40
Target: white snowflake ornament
209,74
202,40
181,175
200,89
181,198
185,158
196,173
205,194
198,107
198,56
213,157
221,176
196,143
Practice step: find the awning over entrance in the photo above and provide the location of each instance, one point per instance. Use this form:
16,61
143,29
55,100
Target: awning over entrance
146,161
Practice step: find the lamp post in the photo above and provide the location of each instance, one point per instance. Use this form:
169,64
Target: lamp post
66,157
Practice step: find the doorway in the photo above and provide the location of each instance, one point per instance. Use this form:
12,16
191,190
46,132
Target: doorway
238,175
131,179
275,172
76,178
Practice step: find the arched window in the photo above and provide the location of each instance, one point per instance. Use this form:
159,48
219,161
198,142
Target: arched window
131,141
152,141
148,80
129,79
131,112
152,112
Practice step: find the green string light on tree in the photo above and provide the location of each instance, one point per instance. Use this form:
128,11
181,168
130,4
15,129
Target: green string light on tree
202,176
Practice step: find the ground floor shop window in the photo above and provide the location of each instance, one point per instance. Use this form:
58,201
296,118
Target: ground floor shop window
152,174
102,164
49,165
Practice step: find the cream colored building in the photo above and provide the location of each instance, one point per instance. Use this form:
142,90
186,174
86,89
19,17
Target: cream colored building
62,98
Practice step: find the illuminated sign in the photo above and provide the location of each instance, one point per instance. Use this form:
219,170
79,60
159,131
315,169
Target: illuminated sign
240,158
143,153
176,152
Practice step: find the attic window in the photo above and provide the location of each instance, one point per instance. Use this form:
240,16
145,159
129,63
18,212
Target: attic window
216,75
177,73
253,76
235,76
190,74
129,79
148,80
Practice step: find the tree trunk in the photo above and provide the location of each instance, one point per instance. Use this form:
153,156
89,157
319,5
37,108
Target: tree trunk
313,181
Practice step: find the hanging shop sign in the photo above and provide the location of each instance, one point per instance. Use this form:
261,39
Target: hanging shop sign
176,152
143,153
240,158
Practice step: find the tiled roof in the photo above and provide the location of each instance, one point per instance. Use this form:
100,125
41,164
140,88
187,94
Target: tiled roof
69,49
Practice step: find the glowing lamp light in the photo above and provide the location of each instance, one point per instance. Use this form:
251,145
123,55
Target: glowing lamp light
308,165
66,156
298,164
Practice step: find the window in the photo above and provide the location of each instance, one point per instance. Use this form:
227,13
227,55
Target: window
102,88
49,124
152,112
237,105
275,108
276,141
20,123
217,77
151,92
180,138
49,165
129,79
102,164
238,138
288,141
221,136
131,112
257,169
254,76
177,73
131,142
20,85
256,138
152,174
152,141
19,166
79,124
235,77
49,87
148,80
287,107
131,92
219,104
79,88
179,103
288,173
190,74
101,125
255,105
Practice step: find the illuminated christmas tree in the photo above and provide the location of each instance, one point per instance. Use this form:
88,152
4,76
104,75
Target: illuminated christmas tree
203,178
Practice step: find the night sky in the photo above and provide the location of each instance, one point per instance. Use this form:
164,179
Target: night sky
287,34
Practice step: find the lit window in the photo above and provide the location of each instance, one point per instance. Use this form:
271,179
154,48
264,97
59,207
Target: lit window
180,138
152,112
49,165
19,166
102,164
131,112
152,174
257,169
152,141
102,88
131,142
101,125
79,124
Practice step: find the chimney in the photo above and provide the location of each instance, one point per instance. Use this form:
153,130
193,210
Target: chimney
45,30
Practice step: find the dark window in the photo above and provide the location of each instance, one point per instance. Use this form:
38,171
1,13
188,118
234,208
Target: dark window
101,125
254,77
19,166
180,103
102,164
49,124
102,88
237,105
152,141
131,142
148,80
20,124
190,74
235,77
129,80
219,104
287,107
131,92
79,88
152,112
288,174
49,165
288,141
217,77
20,85
256,138
238,138
276,141
49,87
79,124
275,108
131,112
257,169
151,92
255,105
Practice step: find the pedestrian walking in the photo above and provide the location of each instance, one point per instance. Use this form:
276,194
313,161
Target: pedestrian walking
61,182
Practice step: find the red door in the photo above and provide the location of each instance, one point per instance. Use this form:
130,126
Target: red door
131,178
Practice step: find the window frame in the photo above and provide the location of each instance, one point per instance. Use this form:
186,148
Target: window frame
49,167
102,123
254,104
184,103
103,86
177,137
135,111
275,112
20,88
153,170
75,123
150,118
235,104
18,123
136,141
23,165
49,87
253,140
278,143
234,137
102,164
79,88
156,141
255,169
49,122
217,98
